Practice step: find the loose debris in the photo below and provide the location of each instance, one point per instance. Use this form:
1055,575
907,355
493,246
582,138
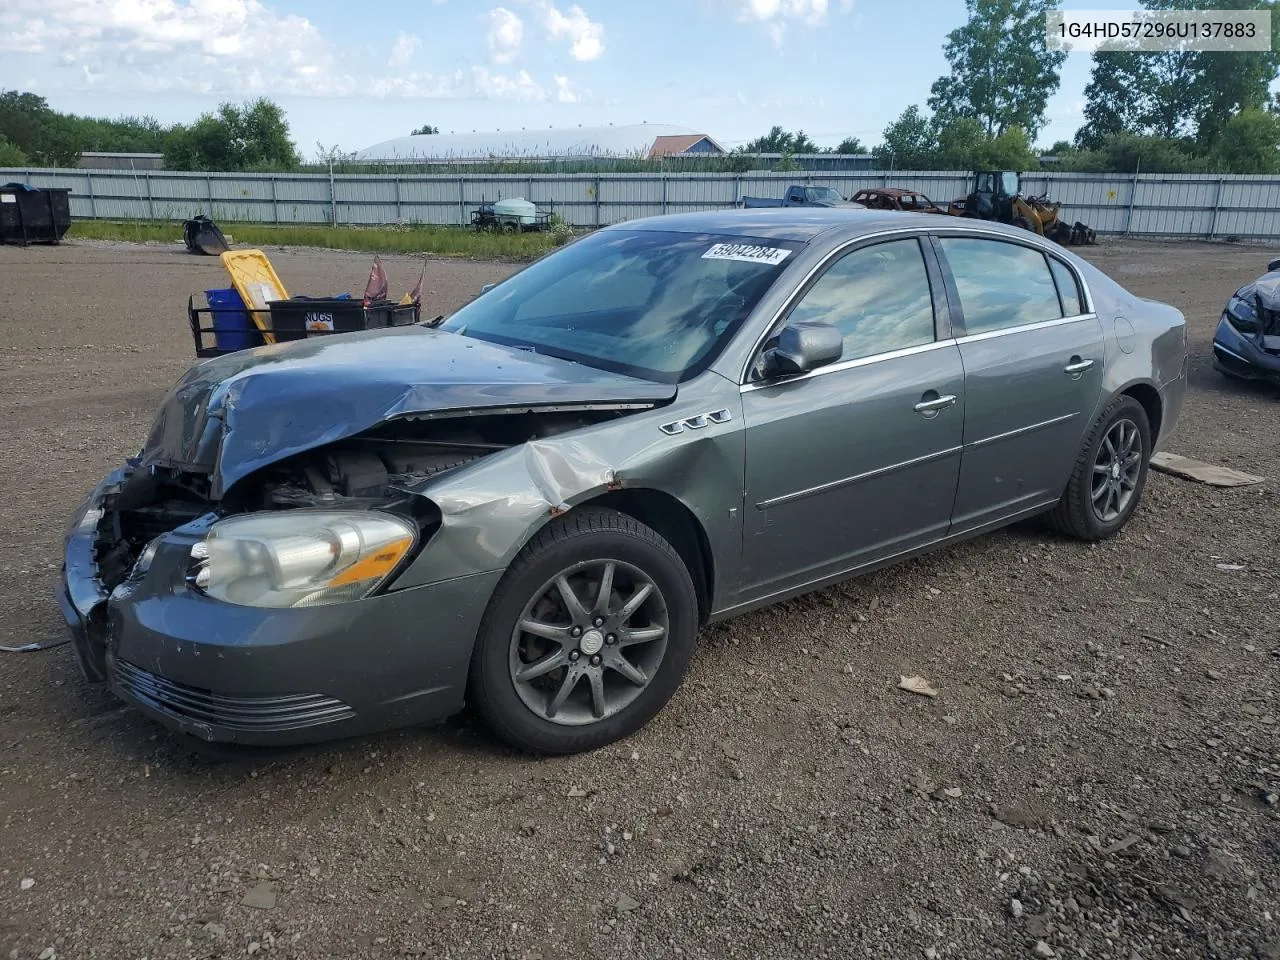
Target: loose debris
1190,469
916,685
35,645
261,896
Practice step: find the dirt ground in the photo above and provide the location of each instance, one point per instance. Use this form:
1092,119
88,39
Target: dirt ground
1097,777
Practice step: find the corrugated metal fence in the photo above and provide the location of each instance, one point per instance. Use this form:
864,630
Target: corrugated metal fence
1168,205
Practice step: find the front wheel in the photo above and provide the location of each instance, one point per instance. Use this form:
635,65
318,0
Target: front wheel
587,636
1109,474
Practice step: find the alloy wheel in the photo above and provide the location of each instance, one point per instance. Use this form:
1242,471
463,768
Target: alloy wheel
589,642
1116,470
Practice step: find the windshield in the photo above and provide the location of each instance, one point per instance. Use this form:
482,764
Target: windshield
825,194
648,304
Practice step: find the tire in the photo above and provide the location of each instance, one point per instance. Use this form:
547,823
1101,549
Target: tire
1075,514
577,548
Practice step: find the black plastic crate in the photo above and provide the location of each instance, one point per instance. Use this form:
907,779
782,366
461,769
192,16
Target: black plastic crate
29,215
290,323
301,317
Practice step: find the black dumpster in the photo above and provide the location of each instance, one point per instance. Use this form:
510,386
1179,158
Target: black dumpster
32,214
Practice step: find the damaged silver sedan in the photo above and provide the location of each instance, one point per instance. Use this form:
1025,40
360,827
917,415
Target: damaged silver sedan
534,506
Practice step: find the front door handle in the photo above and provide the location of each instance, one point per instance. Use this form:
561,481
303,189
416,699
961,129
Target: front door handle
934,405
1077,366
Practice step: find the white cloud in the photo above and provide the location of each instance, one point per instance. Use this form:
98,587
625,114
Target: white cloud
564,90
504,35
226,48
585,36
404,48
777,15
812,12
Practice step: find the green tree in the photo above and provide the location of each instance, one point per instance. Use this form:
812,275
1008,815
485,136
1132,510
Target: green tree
253,135
910,142
849,145
1250,142
778,140
424,129
1011,150
29,124
1002,71
1135,153
11,156
1174,94
962,144
1152,94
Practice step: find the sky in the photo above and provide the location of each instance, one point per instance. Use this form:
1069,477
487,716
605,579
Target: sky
351,75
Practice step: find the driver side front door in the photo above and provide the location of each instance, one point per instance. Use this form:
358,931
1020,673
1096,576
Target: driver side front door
856,461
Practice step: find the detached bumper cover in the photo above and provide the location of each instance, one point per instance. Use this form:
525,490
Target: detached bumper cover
250,675
1241,356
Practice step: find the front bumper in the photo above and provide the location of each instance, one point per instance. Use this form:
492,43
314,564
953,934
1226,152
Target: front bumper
231,673
1241,356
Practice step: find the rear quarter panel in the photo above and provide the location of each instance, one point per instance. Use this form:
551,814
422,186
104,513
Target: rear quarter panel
1146,342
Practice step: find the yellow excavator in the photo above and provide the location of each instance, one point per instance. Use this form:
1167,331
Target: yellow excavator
997,195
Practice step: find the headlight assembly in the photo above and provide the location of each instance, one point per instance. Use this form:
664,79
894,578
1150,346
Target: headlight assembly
300,558
1241,315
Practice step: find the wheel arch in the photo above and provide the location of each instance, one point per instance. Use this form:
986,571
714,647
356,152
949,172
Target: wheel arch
1148,395
675,523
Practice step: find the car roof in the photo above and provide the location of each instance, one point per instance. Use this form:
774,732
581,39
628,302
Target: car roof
891,191
804,224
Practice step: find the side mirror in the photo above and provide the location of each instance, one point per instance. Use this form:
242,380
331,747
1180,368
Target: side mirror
1273,265
802,347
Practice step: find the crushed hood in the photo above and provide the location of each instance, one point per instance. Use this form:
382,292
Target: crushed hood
233,415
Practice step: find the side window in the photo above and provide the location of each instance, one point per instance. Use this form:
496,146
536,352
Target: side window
1000,284
1068,289
877,296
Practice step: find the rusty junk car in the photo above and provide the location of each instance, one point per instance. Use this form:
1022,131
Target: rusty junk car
535,505
896,198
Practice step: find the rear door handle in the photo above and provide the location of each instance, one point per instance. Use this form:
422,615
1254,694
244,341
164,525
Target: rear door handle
934,405
1077,366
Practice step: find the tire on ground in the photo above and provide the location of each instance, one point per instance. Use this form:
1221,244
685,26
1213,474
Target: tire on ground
1074,514
586,533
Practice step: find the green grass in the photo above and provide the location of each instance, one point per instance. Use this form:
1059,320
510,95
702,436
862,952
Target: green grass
433,240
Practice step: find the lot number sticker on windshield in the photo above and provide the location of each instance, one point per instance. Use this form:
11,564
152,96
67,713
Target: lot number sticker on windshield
747,252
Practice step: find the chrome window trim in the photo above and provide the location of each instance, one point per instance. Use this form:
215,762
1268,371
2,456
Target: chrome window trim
1031,240
857,478
848,365
1024,328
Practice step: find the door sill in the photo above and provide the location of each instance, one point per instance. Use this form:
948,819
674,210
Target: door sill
869,566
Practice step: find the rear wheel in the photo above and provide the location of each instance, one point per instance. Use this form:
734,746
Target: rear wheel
1110,472
588,635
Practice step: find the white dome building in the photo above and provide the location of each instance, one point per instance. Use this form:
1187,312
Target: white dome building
631,141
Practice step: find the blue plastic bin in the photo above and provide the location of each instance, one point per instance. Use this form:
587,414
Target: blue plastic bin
232,328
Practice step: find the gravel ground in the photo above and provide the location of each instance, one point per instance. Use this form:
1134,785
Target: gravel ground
1097,776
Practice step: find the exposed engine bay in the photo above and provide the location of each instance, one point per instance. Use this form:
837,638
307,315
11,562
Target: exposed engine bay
375,468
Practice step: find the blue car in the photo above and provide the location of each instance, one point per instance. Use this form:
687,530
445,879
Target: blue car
1246,345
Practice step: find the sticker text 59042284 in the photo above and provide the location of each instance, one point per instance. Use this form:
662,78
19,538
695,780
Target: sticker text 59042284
747,252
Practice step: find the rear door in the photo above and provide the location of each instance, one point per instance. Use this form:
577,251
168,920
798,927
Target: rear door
1033,357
